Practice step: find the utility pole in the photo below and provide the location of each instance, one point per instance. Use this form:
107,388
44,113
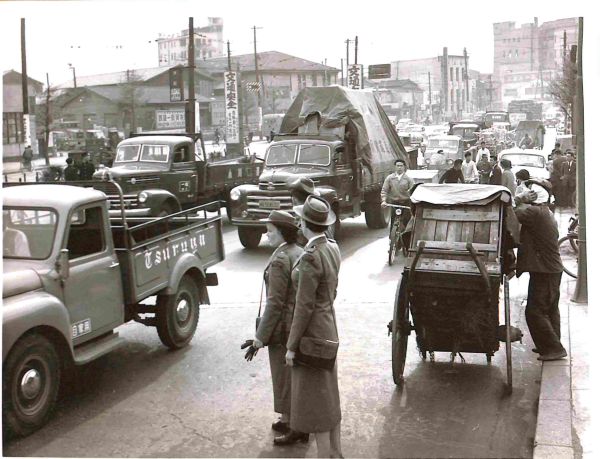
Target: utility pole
256,67
581,290
191,118
342,67
430,106
466,80
564,53
356,50
47,131
347,58
228,57
24,88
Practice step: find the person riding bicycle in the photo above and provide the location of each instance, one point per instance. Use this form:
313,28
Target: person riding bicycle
396,190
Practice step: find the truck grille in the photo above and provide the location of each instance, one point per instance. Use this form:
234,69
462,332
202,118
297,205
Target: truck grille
262,202
129,201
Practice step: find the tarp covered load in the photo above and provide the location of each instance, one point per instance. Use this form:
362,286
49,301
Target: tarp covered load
451,194
377,142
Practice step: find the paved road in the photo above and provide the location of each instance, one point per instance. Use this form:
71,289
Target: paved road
207,401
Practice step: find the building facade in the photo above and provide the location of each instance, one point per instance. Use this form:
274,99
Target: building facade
17,131
208,43
529,56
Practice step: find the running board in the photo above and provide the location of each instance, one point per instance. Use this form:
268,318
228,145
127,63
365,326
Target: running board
90,351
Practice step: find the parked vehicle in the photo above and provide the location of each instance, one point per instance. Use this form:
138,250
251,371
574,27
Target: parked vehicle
72,275
452,150
467,131
163,173
492,117
536,131
531,159
347,157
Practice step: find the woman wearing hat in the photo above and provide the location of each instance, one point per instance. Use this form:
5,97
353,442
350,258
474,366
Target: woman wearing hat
274,327
315,395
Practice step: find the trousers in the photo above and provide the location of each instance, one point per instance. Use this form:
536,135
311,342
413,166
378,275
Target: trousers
542,313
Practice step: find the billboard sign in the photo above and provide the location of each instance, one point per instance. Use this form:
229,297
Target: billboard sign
232,120
170,119
176,84
380,71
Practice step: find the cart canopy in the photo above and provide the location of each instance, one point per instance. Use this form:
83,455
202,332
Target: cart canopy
451,194
376,138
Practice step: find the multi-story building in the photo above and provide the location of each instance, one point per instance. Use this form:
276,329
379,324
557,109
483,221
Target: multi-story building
528,57
208,43
444,79
18,130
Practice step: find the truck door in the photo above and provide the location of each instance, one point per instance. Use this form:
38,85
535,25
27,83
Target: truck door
93,290
347,176
183,176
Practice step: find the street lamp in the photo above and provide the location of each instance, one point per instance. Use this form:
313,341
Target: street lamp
74,79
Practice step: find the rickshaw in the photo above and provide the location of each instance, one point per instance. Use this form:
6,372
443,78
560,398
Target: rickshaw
460,252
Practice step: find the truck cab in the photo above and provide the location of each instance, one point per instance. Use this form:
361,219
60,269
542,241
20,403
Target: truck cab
451,150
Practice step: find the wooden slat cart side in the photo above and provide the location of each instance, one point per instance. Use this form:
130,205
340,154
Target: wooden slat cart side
451,281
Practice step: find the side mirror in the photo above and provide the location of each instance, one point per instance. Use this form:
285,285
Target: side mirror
62,264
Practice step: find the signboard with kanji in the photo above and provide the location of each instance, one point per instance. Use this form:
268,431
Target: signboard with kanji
355,76
232,128
176,84
170,119
380,71
253,86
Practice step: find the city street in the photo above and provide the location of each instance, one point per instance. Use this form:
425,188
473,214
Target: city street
207,401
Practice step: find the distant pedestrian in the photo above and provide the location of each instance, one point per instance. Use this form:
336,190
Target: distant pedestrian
217,136
454,174
271,135
86,168
558,159
508,177
71,172
496,174
27,158
469,169
569,178
484,167
482,151
526,142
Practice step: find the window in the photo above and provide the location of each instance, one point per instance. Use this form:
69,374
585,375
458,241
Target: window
86,234
28,232
157,153
280,155
457,74
12,128
127,153
451,74
313,154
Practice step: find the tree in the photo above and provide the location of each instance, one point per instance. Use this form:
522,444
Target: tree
130,98
562,89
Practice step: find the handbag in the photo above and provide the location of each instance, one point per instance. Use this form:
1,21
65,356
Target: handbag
317,353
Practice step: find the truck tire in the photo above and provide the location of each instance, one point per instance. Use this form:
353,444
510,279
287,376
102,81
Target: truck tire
249,237
177,315
164,210
30,382
376,216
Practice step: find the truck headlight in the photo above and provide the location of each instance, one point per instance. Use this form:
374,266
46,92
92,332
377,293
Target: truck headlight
142,197
427,161
235,194
449,161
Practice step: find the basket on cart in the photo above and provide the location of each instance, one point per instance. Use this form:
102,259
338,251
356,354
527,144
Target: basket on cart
459,255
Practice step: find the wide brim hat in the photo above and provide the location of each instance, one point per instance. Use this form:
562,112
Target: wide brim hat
316,210
281,218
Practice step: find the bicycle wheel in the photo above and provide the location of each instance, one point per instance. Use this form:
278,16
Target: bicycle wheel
393,249
568,256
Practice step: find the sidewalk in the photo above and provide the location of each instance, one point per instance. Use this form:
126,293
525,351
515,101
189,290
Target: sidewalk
564,410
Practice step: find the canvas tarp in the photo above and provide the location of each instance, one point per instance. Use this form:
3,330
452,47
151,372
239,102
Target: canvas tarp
377,142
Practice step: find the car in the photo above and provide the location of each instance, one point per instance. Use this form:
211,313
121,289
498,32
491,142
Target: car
531,160
452,150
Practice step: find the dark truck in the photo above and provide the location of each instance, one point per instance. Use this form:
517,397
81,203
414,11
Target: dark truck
162,173
339,138
72,275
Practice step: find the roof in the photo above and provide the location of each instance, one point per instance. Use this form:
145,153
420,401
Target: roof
113,78
268,61
144,94
12,76
60,197
157,139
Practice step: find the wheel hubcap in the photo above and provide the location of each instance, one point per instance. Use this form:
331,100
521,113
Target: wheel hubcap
183,310
31,384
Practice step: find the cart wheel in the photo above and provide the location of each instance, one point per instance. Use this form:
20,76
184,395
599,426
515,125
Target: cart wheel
488,357
400,332
508,340
431,356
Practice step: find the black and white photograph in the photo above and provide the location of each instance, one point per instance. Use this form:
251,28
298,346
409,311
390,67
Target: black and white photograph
239,229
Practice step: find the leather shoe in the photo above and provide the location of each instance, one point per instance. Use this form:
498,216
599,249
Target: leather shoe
553,356
536,350
280,426
290,438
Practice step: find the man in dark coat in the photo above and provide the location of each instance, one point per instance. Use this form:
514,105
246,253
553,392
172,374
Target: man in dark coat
454,174
569,178
539,256
71,172
27,158
484,167
86,169
496,174
555,177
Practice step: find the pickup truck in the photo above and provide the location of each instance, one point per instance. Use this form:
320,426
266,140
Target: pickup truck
72,275
162,173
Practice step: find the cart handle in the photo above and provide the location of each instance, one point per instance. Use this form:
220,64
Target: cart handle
413,265
482,269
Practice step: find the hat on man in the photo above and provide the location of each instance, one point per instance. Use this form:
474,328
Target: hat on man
316,210
304,186
280,218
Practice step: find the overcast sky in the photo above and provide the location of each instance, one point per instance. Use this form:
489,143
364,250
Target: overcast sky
105,36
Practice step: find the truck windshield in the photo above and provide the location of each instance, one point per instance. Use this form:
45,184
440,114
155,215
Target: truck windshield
156,153
313,154
525,160
464,132
28,232
449,144
280,155
127,153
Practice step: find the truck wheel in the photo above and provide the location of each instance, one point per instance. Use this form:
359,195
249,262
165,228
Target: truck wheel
31,377
376,216
177,315
164,210
249,237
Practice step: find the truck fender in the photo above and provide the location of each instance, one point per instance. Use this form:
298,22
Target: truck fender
189,264
35,310
328,193
157,198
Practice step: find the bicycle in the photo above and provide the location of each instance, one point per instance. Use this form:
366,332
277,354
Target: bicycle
568,247
396,241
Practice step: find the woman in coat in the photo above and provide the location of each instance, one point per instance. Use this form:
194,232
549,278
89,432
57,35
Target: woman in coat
274,327
315,394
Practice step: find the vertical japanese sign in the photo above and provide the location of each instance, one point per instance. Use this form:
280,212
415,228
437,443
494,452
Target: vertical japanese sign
176,84
232,132
27,129
355,76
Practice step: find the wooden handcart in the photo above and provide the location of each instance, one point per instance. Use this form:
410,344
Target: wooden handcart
451,281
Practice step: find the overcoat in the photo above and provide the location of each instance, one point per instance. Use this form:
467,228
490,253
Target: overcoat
276,320
315,394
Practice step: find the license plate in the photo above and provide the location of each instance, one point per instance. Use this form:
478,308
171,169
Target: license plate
270,204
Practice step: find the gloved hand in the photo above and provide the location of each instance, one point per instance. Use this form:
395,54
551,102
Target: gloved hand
251,352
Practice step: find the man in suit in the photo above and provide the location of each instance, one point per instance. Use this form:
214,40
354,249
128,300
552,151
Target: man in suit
555,177
569,178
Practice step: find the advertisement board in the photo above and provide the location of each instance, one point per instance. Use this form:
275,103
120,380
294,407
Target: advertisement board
355,76
232,131
170,119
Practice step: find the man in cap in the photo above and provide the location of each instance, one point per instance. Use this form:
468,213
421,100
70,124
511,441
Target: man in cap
86,168
71,172
396,190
